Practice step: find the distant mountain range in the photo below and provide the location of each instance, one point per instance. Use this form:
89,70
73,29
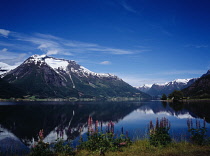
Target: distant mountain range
157,90
48,77
193,88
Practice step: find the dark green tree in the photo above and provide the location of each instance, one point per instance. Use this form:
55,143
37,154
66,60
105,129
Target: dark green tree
164,97
176,95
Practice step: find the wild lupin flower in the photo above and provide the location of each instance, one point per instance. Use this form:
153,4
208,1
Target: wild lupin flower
112,127
108,128
101,126
122,130
151,126
189,124
62,133
90,121
126,134
157,123
164,123
159,134
96,126
41,135
197,124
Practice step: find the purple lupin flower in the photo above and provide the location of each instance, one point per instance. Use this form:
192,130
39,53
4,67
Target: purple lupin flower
101,126
157,123
191,123
89,124
112,127
151,126
126,134
188,124
197,125
122,130
41,135
96,126
109,127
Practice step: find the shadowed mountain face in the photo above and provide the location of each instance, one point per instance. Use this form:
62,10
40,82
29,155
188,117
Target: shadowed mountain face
8,90
44,77
199,89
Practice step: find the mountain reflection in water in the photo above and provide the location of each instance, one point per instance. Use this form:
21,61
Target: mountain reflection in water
20,122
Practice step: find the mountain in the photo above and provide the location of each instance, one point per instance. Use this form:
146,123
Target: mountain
144,88
44,77
200,88
4,68
158,89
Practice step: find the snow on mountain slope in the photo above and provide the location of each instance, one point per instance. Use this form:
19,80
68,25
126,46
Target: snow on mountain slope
36,59
4,68
95,74
166,88
181,81
62,64
57,63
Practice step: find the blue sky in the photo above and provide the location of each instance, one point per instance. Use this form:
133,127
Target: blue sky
141,41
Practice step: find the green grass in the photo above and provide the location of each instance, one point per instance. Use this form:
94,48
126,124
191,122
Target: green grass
143,148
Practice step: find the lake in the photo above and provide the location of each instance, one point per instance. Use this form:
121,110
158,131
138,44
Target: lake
20,122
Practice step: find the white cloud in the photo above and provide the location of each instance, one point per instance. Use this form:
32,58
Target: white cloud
105,62
4,50
12,58
110,50
52,52
4,32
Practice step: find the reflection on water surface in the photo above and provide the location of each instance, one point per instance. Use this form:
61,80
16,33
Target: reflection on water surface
20,122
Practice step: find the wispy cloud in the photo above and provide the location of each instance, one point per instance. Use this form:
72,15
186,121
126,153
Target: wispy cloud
11,58
4,32
197,46
52,45
105,62
179,72
127,7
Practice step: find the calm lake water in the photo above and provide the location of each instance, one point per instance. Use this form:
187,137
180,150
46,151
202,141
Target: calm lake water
20,122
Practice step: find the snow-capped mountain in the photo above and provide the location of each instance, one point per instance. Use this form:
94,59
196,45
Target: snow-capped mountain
168,87
145,87
45,76
4,68
62,65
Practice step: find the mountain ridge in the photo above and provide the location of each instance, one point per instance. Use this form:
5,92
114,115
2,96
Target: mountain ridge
158,89
199,89
44,76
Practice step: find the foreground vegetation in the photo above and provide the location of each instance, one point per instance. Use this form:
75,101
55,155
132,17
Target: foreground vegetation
144,148
105,142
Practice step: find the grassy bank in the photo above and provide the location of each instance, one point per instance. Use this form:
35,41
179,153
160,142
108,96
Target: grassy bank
143,148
